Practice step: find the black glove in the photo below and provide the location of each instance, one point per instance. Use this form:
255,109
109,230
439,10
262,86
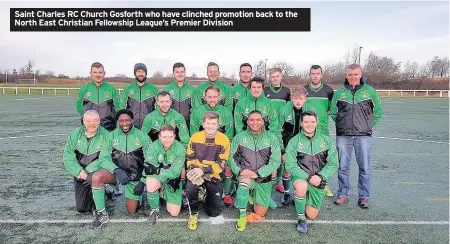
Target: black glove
174,183
122,176
150,169
88,181
139,189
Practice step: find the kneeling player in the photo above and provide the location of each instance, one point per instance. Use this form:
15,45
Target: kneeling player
164,162
207,153
255,155
290,121
311,158
81,160
122,161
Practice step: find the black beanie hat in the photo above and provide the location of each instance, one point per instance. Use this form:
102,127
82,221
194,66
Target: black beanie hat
140,66
124,111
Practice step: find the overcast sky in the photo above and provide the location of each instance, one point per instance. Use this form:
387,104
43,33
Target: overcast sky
414,31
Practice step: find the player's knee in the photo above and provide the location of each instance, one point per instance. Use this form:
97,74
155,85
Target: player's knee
286,174
97,178
152,185
245,179
228,172
274,174
174,211
300,187
311,213
183,173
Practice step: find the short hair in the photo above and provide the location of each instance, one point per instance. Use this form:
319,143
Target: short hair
256,79
212,64
273,70
178,65
299,91
307,113
213,88
255,112
162,94
167,128
354,66
315,66
91,113
245,65
97,65
210,115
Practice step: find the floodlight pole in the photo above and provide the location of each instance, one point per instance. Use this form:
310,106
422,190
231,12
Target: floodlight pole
34,64
359,56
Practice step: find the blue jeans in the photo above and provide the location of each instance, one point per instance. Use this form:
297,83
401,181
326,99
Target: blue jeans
363,148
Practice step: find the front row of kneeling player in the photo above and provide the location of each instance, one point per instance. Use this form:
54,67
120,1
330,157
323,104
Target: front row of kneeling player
96,157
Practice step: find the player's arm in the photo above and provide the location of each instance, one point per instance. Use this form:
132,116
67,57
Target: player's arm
124,98
69,158
229,125
80,96
174,170
332,165
238,124
333,107
116,98
274,160
377,108
105,159
291,165
233,158
182,130
194,123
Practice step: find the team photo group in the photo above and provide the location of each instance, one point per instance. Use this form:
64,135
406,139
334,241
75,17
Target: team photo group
219,145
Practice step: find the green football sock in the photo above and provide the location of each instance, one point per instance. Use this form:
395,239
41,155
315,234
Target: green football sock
279,174
153,200
99,198
243,193
228,184
300,204
287,184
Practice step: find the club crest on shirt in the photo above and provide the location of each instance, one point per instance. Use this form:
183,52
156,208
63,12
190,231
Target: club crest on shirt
266,141
106,94
343,95
365,94
138,142
244,140
300,145
322,144
88,94
131,92
148,93
116,142
171,92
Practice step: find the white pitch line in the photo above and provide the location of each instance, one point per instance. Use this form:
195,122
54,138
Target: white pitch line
176,220
389,138
32,98
19,137
416,140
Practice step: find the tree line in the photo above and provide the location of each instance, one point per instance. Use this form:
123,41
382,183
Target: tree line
382,71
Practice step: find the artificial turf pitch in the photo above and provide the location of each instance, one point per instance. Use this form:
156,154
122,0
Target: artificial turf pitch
409,204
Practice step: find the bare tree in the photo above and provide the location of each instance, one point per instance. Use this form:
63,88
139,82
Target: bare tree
233,76
260,69
352,55
410,71
158,74
49,73
29,67
194,75
117,76
336,69
445,67
385,65
14,72
286,68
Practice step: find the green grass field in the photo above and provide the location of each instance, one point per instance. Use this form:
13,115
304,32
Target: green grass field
410,186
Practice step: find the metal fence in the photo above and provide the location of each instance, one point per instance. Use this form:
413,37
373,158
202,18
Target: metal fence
73,91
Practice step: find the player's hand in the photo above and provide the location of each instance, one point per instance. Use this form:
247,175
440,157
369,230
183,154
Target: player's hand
315,180
246,172
83,175
139,188
196,173
198,181
122,176
253,175
150,169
